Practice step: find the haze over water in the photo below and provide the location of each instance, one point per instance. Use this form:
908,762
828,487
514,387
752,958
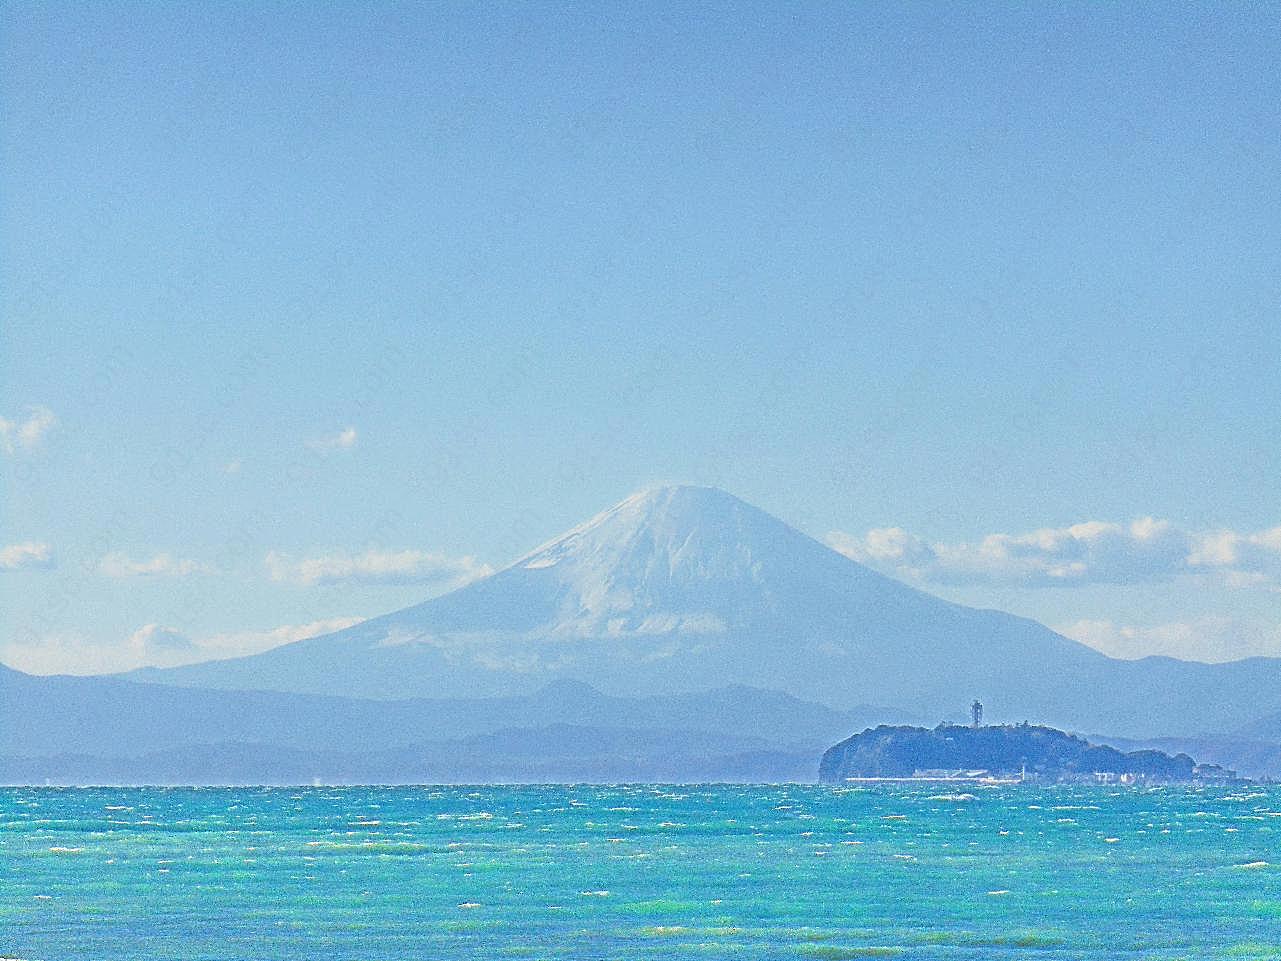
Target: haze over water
639,872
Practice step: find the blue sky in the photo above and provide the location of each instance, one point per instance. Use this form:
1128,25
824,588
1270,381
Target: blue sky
310,311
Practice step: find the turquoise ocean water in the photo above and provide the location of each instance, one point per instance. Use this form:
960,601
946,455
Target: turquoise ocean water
639,872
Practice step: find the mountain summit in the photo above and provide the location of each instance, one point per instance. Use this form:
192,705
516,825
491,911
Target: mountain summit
684,559
679,589
687,560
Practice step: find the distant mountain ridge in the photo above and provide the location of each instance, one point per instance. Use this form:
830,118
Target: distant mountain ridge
682,588
108,730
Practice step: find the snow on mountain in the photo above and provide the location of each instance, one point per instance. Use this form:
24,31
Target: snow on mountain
683,560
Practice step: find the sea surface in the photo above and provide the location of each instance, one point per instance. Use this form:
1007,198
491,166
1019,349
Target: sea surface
629,872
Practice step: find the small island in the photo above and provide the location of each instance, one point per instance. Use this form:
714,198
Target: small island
1000,754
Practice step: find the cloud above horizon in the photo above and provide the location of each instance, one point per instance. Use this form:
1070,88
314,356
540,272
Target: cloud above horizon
1092,552
27,432
153,645
1214,639
27,556
152,641
119,565
342,440
375,567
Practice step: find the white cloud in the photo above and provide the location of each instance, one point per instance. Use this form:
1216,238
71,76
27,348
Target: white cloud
152,642
1213,639
1092,552
232,466
117,564
342,440
891,546
1260,551
26,433
254,641
26,556
153,645
375,567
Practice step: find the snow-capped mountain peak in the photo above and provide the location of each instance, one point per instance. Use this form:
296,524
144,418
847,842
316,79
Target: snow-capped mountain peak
684,559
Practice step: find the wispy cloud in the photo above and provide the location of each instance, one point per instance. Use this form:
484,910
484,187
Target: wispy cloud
1249,553
152,642
251,642
342,440
1212,639
28,431
117,564
375,567
1092,552
153,645
29,555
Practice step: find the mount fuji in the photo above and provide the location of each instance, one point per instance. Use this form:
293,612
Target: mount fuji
681,589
